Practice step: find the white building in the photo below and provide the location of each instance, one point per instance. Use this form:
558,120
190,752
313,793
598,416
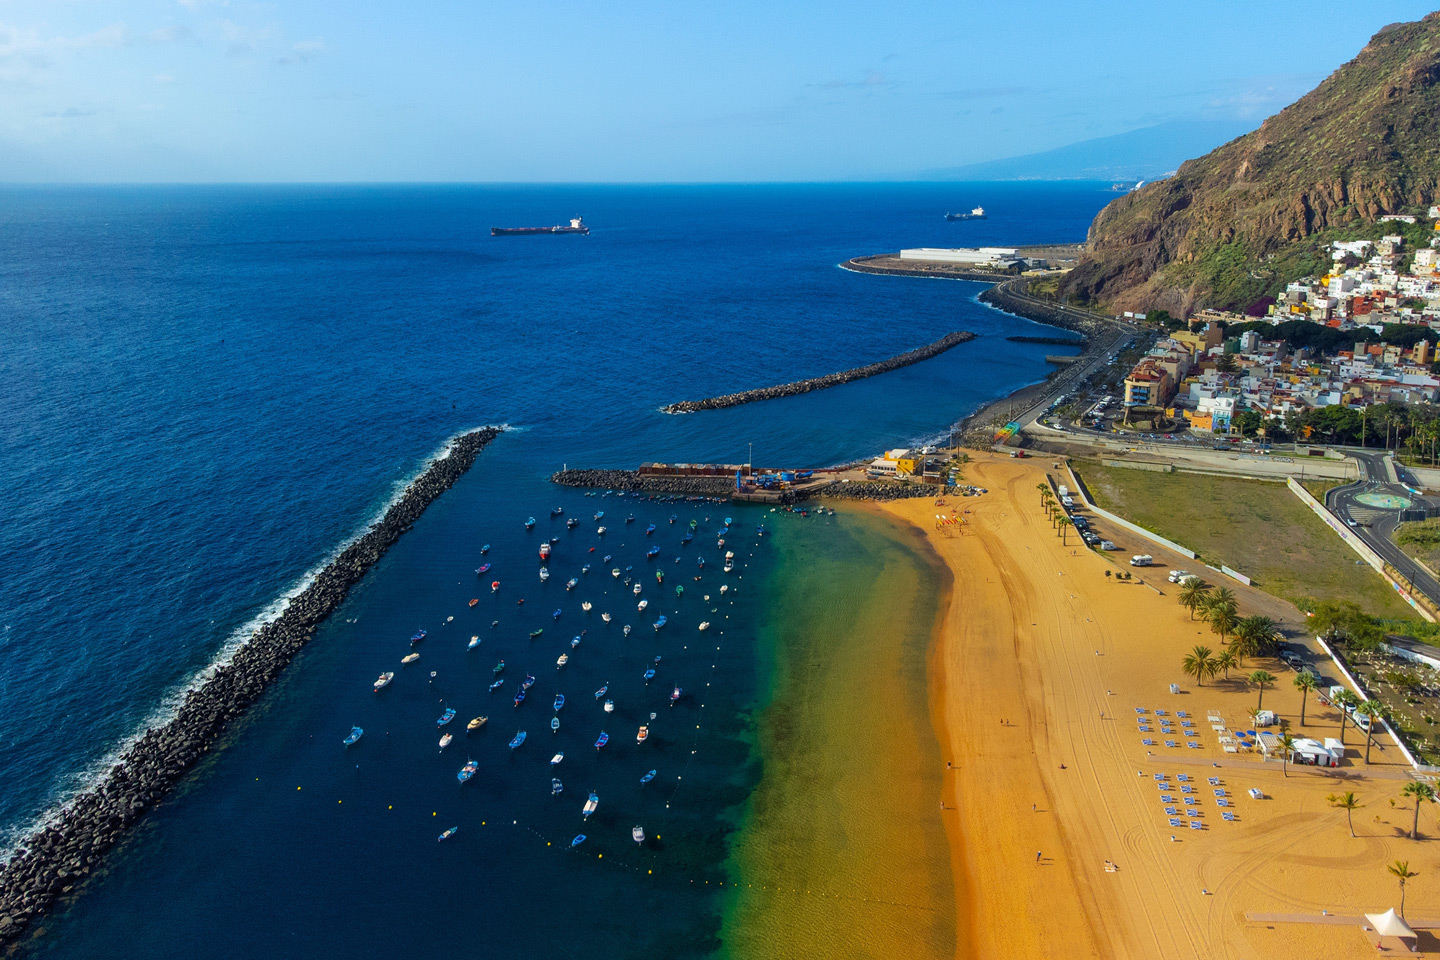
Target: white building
1000,258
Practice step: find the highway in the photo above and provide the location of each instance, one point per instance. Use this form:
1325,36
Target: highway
1379,524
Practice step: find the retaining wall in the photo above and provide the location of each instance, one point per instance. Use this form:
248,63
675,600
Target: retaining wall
1122,522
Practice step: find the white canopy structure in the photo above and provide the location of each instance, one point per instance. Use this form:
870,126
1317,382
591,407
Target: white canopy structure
1389,924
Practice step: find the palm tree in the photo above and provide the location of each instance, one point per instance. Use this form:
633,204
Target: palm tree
1345,701
1226,660
1421,792
1349,803
1372,711
1065,524
1305,682
1257,632
1199,663
1260,677
1287,747
1193,595
1401,870
1222,619
1045,494
1224,596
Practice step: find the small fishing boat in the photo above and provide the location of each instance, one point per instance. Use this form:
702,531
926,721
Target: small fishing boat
571,584
602,691
724,587
557,511
687,538
467,771
355,734
609,706
728,521
674,695
652,553
483,569
603,739
572,523
627,629
586,606
649,674
599,514
600,531
606,559
660,622
474,642
518,739
446,717
536,633
530,523
673,518
659,576
615,573
637,589
544,574
605,617
528,682
499,667
384,680
694,524
410,658
643,734
485,549
417,637
475,724
579,839
554,724
556,787
650,529
556,614
545,551
494,585
574,642
700,561
591,805
445,740
559,701
586,568
473,601
704,624
448,834
648,777
721,533
561,660
497,684
760,530
519,697
637,833
630,519
557,758
642,605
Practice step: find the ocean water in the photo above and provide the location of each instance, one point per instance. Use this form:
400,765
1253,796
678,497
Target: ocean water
205,390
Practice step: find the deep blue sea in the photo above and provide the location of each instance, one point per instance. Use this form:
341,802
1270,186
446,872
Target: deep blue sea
204,391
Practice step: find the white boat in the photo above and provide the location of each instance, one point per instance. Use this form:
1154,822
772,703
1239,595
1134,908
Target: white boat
585,606
591,805
384,680
705,625
605,617
544,574
571,583
627,629
474,642
615,573
544,551
445,740
563,659
609,706
642,735
410,658
557,758
724,587
637,833
600,531
637,589
642,605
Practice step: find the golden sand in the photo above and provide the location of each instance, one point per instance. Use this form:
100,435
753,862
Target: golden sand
1041,663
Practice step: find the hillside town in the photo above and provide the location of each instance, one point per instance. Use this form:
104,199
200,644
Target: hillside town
1328,348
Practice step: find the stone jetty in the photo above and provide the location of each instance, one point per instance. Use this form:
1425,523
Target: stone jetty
829,380
58,857
631,481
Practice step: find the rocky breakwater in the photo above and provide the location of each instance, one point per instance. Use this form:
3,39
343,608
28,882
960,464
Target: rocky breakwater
880,490
630,481
59,856
821,383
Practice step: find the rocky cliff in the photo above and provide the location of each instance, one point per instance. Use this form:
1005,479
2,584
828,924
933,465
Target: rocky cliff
1365,142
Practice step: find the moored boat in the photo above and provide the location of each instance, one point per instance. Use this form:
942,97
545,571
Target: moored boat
384,680
410,658
627,629
652,553
555,787
661,622
518,739
483,569
554,724
445,740
544,551
637,833
498,668
642,605
448,834
475,724
446,717
561,660
497,684
519,697
417,636
530,523
528,682
536,633
601,740
648,777
609,706
592,803
544,574
675,695
355,734
586,606
474,642
642,734
579,839
687,538
571,584
650,529
649,674
559,701
602,691
485,549
615,573
557,758
467,771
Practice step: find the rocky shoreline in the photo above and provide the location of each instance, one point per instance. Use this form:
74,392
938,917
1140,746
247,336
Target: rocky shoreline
821,383
632,482
57,858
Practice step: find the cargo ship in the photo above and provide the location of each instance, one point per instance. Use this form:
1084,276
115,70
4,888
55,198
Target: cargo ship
977,214
577,225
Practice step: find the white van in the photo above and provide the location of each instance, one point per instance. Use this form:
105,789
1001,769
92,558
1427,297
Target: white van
1177,575
1141,560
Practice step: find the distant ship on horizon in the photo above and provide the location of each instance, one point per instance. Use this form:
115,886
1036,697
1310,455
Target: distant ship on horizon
577,225
977,214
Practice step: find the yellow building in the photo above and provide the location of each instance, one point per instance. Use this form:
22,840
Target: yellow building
905,462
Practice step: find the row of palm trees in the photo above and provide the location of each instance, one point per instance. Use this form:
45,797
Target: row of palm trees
1421,792
1059,518
1248,636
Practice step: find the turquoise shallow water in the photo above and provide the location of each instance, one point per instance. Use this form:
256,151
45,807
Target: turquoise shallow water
205,390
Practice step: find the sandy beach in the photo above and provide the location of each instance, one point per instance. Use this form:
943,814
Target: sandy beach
1040,664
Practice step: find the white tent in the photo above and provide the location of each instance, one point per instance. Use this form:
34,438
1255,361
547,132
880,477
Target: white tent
1389,924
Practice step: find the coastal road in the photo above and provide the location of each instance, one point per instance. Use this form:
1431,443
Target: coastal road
1374,526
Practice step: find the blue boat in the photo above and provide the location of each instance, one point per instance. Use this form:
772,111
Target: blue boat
603,739
602,691
687,538
722,531
529,523
559,700
496,685
467,771
572,523
585,569
579,839
556,614
599,514
554,724
591,805
652,553
519,696
555,787
528,682
728,521
499,668
446,717
355,734
648,777
700,560
418,636
518,739
482,569
661,622
448,834
649,674
485,549
673,518
557,511
760,530
650,529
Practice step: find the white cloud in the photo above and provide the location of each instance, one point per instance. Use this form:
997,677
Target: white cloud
302,52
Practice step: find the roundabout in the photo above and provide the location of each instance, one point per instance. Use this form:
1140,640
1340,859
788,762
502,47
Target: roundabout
1383,501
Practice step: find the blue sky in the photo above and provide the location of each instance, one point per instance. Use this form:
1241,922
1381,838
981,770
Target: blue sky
159,90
